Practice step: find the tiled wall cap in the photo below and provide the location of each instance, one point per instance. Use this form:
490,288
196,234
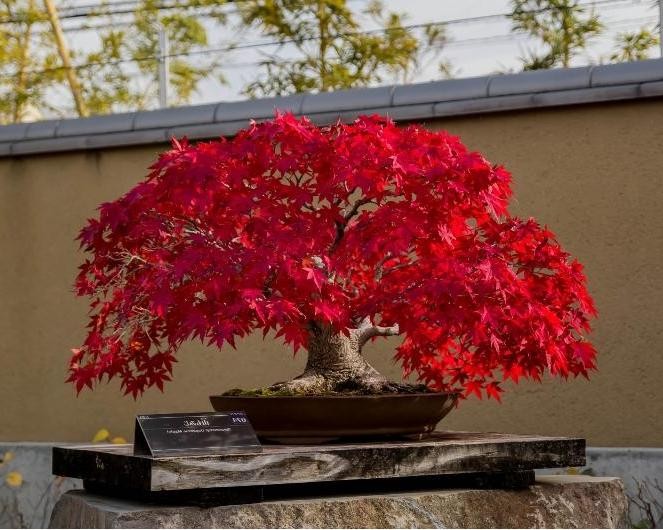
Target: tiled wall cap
329,118
97,124
348,100
407,112
474,106
624,73
51,145
119,139
438,91
652,89
257,108
173,117
540,81
13,132
587,95
210,131
41,129
409,102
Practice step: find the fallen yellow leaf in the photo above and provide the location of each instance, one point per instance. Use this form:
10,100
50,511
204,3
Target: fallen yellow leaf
14,479
8,456
118,440
101,436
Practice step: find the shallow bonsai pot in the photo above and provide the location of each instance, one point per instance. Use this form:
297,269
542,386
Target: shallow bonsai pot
316,419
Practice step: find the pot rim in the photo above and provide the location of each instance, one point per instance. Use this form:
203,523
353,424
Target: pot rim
394,395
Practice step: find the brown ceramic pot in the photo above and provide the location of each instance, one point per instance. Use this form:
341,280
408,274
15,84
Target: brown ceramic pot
313,419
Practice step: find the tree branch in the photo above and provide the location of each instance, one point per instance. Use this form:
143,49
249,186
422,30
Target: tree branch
355,208
397,267
377,331
380,271
342,225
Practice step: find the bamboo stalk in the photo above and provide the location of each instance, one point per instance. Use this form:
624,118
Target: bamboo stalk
63,51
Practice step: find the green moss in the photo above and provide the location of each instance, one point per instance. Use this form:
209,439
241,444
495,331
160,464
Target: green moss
260,392
347,388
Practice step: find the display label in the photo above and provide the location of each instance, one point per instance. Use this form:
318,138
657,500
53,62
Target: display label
200,433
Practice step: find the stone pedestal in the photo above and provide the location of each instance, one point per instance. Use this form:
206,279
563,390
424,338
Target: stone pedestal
551,502
454,458
447,479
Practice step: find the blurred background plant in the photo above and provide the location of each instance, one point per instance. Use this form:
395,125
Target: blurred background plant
564,28
634,46
75,59
332,52
123,72
28,62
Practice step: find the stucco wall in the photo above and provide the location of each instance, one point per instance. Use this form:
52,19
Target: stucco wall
592,173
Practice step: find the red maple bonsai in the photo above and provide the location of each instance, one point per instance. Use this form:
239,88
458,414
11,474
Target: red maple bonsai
330,237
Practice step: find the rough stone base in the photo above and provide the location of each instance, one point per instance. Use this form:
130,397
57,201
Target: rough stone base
554,501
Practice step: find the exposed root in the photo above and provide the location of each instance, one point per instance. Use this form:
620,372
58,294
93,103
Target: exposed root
316,384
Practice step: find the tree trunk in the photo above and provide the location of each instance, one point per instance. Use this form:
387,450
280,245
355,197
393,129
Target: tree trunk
335,362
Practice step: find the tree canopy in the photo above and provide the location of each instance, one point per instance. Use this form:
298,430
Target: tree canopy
287,226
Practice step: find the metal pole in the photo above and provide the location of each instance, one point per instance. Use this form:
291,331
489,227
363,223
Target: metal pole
163,67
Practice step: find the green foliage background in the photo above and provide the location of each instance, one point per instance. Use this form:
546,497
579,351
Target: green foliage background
317,45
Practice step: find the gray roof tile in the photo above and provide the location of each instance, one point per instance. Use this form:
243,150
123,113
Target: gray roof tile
97,124
211,130
407,112
410,102
41,129
539,81
327,118
652,89
27,147
13,132
342,100
436,91
588,95
147,136
624,73
175,116
257,108
474,106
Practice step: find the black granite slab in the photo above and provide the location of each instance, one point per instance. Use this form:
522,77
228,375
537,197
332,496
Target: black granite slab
115,467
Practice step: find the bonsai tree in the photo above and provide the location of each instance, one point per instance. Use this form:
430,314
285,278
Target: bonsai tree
331,237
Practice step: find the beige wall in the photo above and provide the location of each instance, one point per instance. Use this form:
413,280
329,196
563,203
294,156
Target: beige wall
593,173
